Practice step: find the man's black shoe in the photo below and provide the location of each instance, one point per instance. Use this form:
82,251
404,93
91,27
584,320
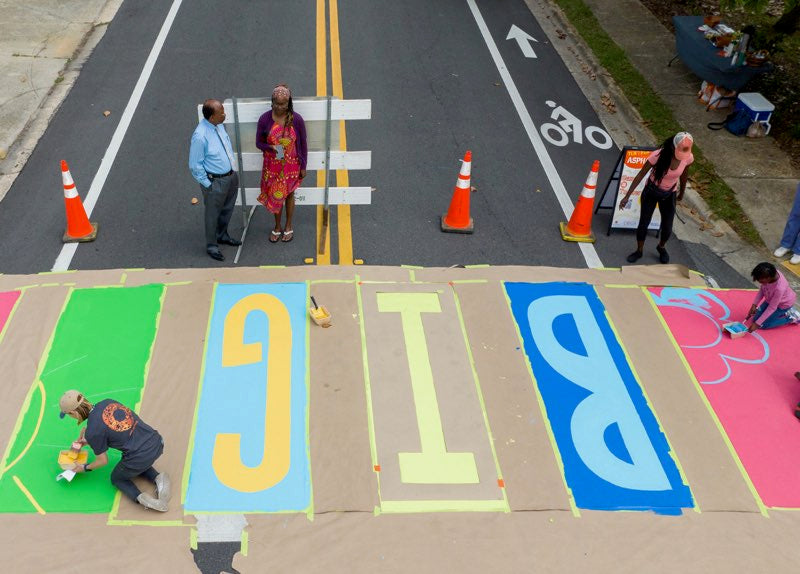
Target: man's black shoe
215,253
663,256
230,241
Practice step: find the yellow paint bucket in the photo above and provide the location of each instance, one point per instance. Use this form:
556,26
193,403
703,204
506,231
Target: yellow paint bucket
319,314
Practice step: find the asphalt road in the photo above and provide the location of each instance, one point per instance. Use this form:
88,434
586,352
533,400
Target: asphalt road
437,89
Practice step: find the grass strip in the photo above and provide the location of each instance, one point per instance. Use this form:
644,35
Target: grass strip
658,117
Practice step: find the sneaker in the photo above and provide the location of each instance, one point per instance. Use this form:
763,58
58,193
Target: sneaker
153,503
663,256
634,257
795,259
794,315
780,251
163,487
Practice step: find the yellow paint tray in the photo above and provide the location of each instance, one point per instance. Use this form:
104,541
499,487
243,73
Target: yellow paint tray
67,458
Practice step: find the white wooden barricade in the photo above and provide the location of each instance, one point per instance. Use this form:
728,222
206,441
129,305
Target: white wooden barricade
313,110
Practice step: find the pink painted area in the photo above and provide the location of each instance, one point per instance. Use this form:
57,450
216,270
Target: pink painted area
7,300
756,397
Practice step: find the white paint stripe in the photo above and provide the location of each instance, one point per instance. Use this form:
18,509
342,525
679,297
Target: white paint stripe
68,251
587,249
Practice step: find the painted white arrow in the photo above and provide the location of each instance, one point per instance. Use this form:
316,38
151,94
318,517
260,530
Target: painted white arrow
523,39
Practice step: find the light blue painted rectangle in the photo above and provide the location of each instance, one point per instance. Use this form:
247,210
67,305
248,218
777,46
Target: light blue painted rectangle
233,401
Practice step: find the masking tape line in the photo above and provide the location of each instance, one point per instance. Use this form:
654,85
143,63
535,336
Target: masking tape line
365,361
245,545
310,509
420,506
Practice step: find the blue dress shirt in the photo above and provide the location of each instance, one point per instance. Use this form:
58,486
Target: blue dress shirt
207,154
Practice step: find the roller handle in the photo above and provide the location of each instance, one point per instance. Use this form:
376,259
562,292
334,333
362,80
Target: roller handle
314,302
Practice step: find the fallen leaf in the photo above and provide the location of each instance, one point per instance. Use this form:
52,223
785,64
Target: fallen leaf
473,188
195,201
107,113
608,103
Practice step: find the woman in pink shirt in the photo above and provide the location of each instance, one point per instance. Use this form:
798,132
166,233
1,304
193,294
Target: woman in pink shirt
772,306
664,187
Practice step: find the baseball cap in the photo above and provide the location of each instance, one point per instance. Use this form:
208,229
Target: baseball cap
69,402
683,145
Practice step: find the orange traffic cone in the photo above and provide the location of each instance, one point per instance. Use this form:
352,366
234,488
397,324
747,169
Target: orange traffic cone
457,219
78,226
579,227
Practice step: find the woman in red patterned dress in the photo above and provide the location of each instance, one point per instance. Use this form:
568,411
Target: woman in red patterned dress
281,135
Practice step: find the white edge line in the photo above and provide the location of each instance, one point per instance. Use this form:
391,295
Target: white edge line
68,250
587,249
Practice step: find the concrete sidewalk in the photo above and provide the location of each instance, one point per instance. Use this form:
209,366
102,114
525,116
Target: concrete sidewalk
43,45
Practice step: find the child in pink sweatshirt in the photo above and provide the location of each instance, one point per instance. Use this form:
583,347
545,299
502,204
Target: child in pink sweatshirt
772,306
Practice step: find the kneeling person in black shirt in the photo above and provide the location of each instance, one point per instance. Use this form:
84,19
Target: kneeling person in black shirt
110,424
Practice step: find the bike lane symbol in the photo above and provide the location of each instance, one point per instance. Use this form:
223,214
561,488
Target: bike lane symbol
567,123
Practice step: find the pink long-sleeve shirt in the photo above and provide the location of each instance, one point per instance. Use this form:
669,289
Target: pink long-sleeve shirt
778,294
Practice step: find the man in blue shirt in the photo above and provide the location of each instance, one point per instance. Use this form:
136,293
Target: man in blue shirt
211,164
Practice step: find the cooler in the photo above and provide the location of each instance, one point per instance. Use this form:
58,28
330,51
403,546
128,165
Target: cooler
759,107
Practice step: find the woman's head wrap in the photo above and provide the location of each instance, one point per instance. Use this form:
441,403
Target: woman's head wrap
281,91
683,145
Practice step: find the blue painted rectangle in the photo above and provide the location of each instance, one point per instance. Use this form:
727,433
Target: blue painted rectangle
233,400
614,453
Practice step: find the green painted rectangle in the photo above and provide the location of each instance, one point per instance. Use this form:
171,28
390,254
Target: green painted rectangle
101,346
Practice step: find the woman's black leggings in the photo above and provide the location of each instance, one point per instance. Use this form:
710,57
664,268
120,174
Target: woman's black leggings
652,196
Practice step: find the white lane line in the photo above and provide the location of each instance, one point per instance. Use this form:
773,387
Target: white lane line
68,250
587,249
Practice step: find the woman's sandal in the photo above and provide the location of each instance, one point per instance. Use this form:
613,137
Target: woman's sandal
275,236
290,234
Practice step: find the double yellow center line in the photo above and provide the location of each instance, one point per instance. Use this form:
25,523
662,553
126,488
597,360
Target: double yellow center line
344,231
